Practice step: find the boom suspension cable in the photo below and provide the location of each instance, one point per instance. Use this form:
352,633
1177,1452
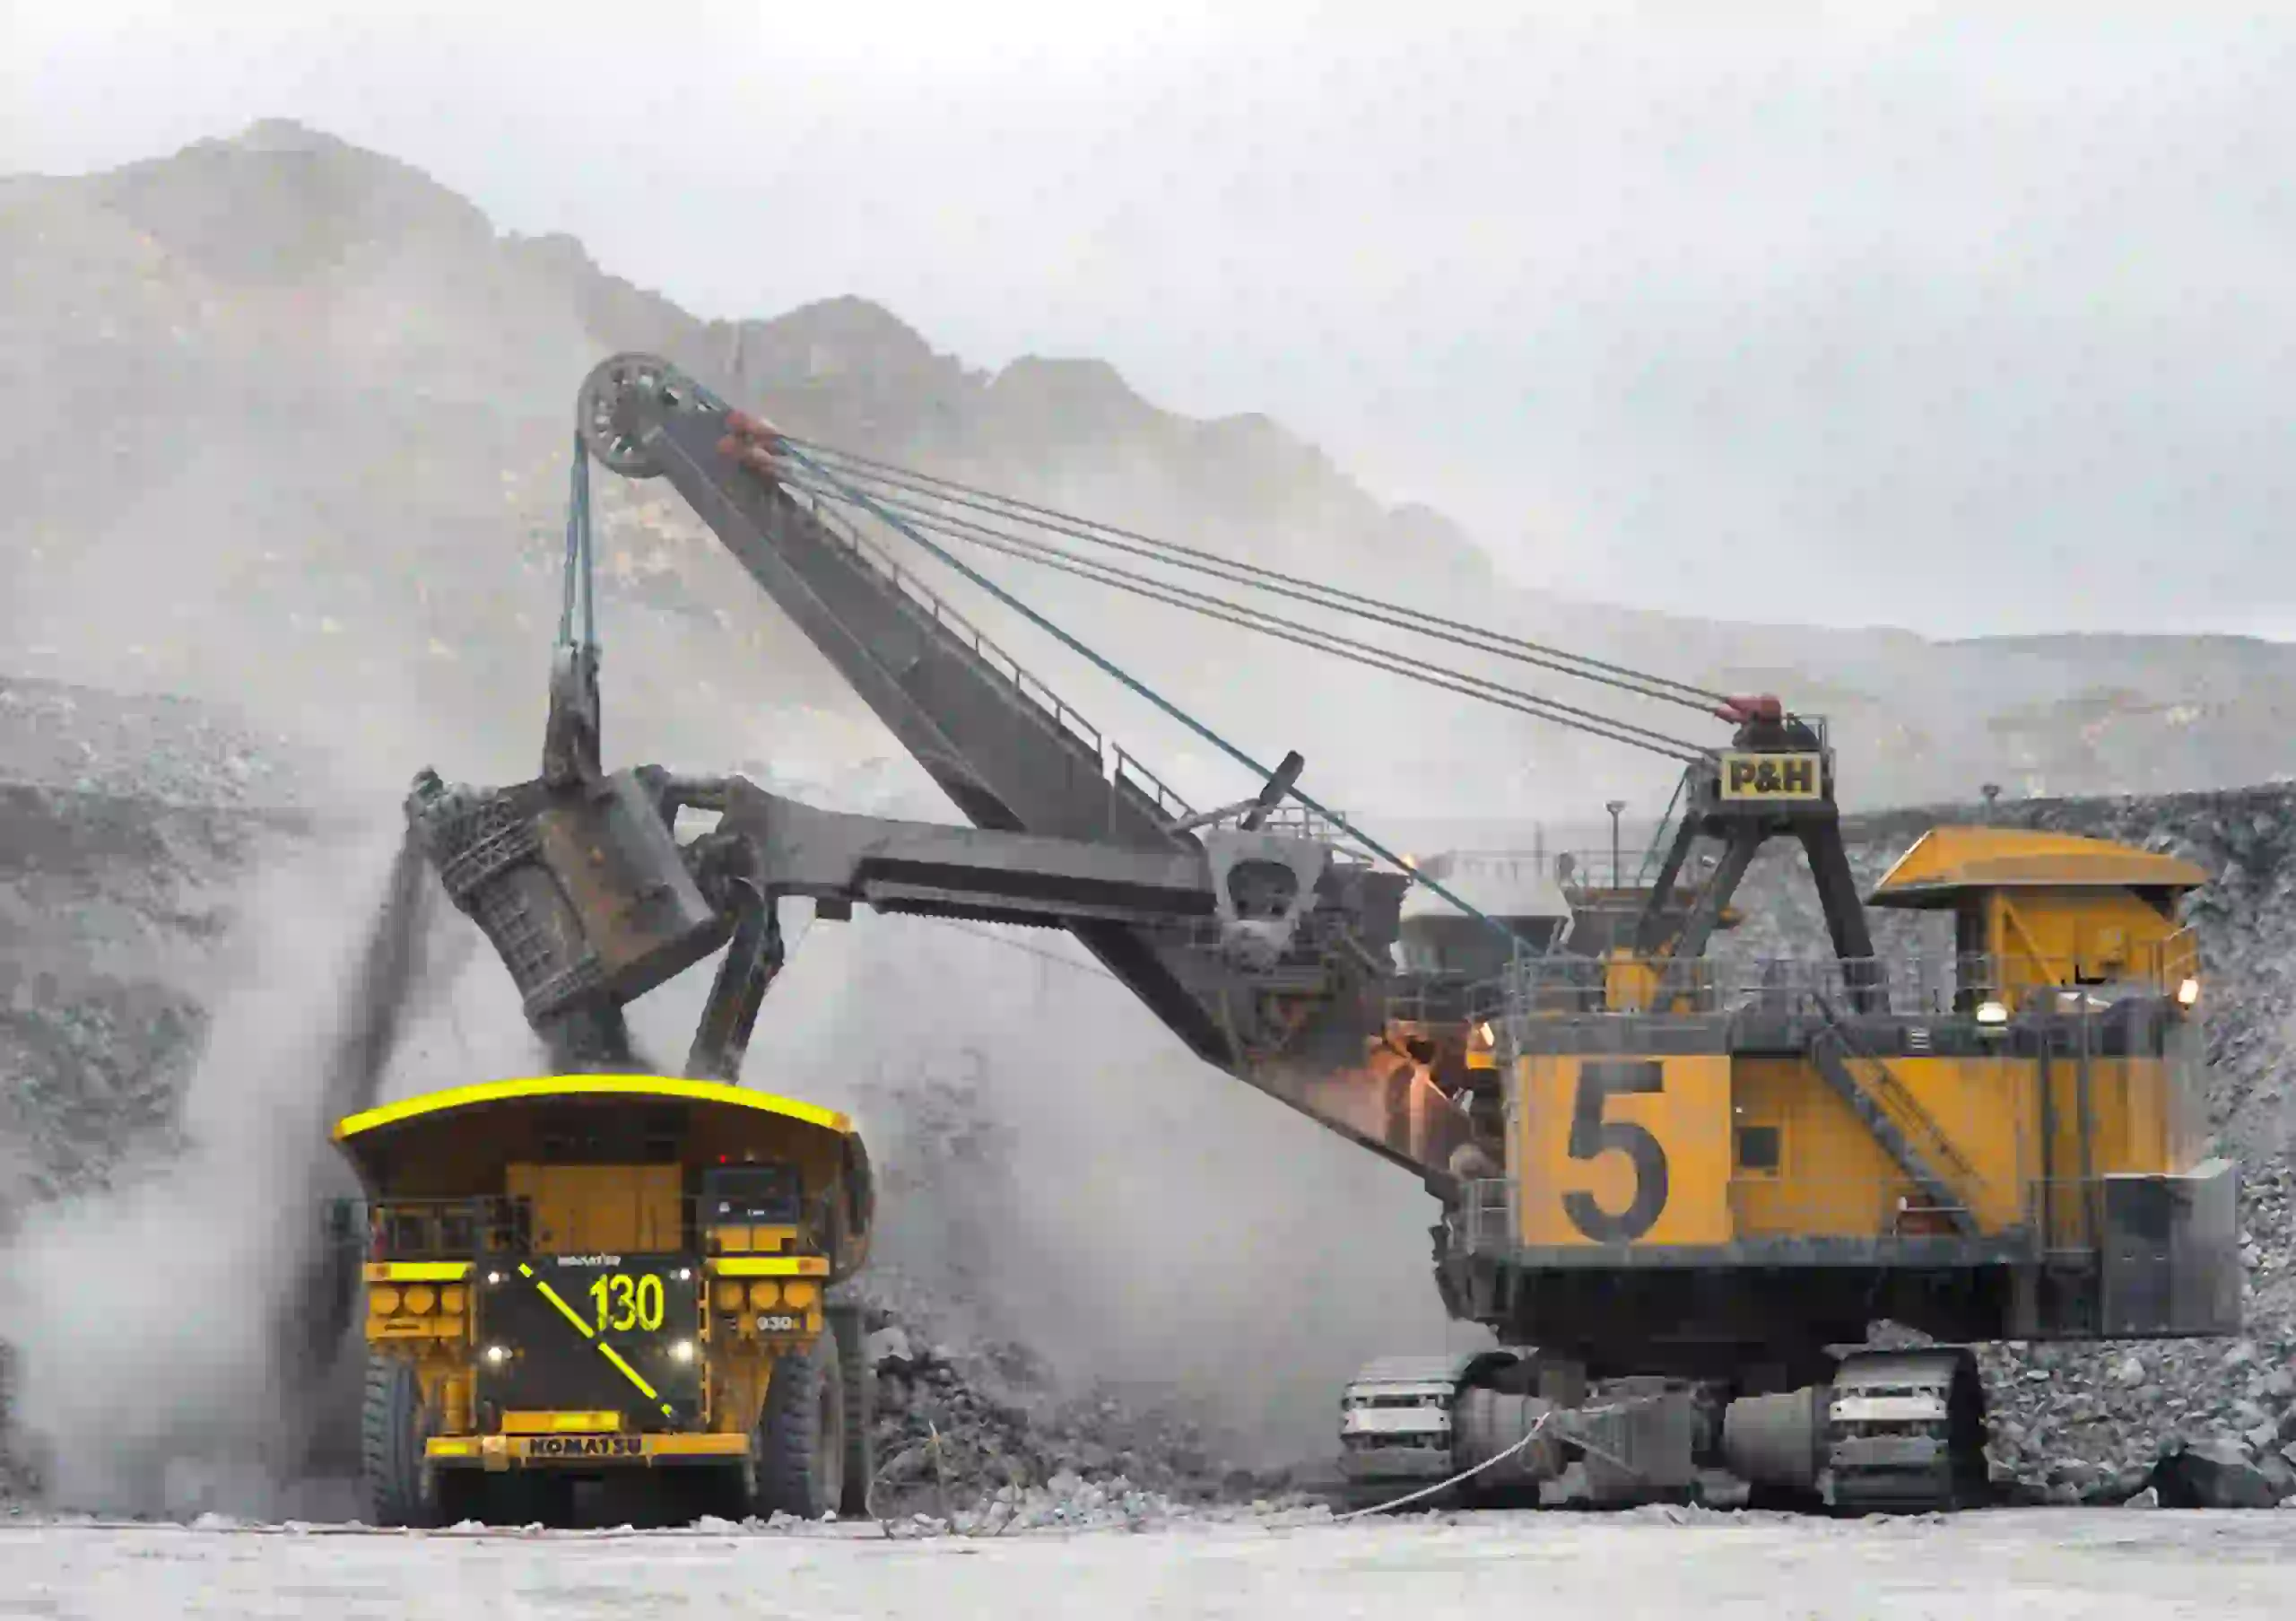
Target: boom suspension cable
883,475
1173,595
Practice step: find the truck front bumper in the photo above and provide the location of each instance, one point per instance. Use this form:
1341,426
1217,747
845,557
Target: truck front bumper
660,1449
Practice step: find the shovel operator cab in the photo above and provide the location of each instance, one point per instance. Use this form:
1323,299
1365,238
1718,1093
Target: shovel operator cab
581,1275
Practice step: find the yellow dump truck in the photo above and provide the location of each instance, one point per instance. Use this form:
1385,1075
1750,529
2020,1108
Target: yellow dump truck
578,1277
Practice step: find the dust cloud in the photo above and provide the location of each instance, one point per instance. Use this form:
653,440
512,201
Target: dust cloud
176,1334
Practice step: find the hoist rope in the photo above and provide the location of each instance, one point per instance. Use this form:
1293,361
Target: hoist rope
580,566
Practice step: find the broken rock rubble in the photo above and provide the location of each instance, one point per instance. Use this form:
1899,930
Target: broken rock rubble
980,1437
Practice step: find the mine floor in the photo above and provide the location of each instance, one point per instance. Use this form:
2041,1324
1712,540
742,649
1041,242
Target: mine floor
1651,1562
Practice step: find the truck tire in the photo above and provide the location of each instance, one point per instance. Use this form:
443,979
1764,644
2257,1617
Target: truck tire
860,1381
393,1427
799,1446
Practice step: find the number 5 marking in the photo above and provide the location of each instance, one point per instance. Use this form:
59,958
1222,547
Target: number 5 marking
1592,1137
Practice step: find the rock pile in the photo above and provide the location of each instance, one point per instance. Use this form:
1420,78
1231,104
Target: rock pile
959,1432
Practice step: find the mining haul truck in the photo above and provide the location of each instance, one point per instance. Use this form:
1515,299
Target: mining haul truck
583,1277
1677,1186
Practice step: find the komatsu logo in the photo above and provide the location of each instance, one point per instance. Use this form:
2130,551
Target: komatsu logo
1770,776
586,1446
589,1261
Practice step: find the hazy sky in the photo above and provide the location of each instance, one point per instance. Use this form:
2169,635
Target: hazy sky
1863,314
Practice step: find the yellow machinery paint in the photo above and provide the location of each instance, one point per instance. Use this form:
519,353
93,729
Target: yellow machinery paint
1663,1147
596,1211
1701,1179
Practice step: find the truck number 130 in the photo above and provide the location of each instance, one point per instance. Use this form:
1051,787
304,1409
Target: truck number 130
625,1302
1592,1135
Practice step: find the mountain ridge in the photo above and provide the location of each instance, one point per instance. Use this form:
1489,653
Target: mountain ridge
314,402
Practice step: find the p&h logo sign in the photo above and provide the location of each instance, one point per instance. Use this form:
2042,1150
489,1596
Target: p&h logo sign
1753,776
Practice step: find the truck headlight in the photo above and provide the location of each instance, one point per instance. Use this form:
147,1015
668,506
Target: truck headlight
681,1351
2188,993
496,1356
1993,1015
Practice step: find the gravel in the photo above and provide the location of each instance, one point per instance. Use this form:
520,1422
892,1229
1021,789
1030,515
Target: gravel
988,1431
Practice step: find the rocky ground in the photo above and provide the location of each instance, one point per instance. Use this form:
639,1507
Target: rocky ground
71,739
124,824
985,1436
